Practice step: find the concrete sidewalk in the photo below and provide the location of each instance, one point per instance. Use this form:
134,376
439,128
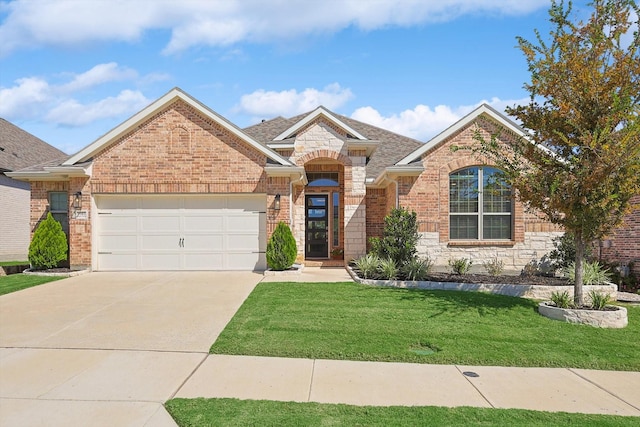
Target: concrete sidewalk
406,384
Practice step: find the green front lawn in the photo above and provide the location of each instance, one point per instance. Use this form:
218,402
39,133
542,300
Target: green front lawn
16,282
12,263
355,322
232,412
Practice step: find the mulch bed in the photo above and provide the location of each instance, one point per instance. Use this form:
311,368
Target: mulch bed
498,280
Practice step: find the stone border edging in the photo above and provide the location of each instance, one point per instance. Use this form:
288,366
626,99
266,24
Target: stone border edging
536,292
69,274
598,318
296,270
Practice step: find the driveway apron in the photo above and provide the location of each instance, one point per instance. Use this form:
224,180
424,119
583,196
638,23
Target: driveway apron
118,344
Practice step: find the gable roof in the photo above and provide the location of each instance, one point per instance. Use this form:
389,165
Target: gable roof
20,149
391,146
174,94
459,125
318,112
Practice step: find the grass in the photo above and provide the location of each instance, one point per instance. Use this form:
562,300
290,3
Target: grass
356,322
17,282
12,263
233,412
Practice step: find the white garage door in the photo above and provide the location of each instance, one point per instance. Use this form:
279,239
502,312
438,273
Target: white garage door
181,232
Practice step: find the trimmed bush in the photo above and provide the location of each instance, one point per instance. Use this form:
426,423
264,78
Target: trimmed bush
49,244
281,248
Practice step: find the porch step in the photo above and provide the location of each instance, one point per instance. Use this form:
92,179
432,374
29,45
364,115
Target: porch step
324,263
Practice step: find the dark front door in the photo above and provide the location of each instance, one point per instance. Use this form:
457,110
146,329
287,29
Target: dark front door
317,226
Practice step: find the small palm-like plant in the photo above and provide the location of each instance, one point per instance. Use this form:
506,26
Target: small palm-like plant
599,300
368,265
416,268
561,299
388,269
593,273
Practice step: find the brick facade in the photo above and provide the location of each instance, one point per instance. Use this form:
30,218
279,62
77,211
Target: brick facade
182,149
623,246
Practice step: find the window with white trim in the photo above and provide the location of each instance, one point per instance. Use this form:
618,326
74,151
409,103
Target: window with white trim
480,205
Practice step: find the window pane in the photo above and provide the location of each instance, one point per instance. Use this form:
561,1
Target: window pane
463,191
464,227
58,201
336,219
496,193
322,179
496,227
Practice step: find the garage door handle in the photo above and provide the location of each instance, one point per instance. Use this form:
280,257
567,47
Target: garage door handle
181,243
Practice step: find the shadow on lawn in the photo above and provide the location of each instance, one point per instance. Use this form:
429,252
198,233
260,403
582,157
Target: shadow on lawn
447,301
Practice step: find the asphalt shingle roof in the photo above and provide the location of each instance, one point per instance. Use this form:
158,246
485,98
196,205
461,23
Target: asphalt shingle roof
392,147
19,149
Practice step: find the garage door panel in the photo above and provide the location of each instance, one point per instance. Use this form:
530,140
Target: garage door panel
166,224
115,242
249,223
121,261
113,223
204,242
242,242
203,223
213,203
170,242
156,232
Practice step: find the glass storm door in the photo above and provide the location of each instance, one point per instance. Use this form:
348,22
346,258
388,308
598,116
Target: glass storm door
317,226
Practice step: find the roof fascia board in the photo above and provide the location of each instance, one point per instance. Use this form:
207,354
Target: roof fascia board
460,124
38,176
176,93
391,172
320,111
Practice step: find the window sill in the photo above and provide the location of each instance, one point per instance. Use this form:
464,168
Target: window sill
481,243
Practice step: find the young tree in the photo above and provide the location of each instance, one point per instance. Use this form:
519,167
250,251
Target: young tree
581,164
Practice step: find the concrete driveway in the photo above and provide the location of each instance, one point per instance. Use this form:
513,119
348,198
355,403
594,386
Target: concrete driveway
118,344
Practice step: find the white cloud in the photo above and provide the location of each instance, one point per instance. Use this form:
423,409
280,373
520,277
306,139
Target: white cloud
23,99
223,22
290,102
37,98
74,113
100,74
424,122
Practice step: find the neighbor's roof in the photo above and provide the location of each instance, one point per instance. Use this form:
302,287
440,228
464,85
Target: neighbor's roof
391,147
19,149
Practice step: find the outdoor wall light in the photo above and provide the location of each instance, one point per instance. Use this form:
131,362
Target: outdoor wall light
276,203
77,201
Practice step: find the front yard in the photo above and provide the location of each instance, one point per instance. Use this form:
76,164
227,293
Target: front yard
356,322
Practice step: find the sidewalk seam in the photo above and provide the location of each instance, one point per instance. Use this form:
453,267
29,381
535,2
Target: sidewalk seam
313,371
206,356
602,388
474,386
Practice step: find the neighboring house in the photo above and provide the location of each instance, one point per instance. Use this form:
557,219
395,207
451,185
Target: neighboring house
18,149
623,246
178,187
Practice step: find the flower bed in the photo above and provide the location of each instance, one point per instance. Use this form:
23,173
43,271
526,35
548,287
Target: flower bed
611,317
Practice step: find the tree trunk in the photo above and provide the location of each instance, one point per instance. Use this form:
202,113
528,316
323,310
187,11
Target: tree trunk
579,271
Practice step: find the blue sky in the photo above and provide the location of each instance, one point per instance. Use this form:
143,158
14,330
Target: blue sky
71,70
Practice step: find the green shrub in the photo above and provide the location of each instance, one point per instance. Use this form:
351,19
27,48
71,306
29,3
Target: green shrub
594,273
416,269
565,251
561,299
368,265
599,300
460,265
281,248
399,237
494,267
49,244
387,269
